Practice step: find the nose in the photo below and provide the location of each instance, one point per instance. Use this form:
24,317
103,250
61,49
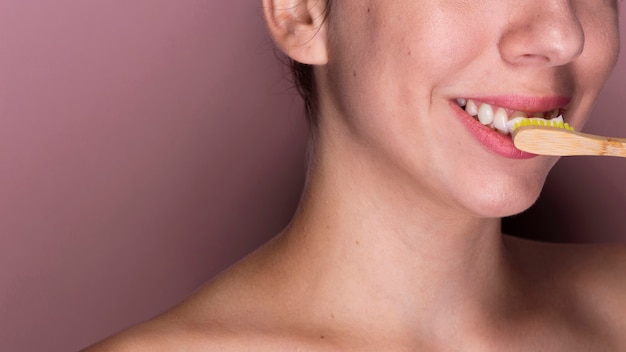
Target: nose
542,32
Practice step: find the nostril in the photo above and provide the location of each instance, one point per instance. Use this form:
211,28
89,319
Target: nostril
529,58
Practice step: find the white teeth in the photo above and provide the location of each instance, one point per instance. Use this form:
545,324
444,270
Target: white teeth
485,114
471,108
500,119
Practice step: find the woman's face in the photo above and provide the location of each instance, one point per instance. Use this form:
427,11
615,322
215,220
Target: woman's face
397,71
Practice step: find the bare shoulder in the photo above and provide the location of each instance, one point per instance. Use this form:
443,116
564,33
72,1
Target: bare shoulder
192,325
157,336
150,336
229,313
600,261
161,335
144,337
591,275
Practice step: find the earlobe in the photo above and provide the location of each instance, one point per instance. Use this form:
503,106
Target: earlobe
298,27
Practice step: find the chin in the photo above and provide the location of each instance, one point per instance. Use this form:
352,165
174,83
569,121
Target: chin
498,193
499,202
511,208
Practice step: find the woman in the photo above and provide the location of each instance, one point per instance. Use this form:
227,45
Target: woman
396,245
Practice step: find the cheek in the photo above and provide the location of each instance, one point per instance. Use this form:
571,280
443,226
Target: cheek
412,52
602,45
594,66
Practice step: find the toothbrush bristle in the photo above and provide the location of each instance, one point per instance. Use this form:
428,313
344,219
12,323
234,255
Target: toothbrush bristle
542,122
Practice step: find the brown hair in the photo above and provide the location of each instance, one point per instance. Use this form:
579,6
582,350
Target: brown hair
304,81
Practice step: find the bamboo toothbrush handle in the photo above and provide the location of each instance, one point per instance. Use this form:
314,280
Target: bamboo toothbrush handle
561,142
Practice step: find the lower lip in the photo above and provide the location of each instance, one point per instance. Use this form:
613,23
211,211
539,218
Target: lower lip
494,141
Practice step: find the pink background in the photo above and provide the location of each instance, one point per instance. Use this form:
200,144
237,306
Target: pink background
147,144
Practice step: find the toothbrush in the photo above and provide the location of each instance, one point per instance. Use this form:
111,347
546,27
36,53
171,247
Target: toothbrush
545,137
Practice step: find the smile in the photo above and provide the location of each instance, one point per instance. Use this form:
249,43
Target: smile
502,119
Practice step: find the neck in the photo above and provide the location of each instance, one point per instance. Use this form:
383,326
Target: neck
364,234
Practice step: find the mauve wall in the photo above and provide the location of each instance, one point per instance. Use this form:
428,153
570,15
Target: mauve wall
144,146
147,144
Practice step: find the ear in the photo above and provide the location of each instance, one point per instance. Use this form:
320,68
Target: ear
298,27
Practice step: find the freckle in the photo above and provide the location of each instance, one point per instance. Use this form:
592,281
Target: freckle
332,316
354,73
410,52
357,243
322,337
368,10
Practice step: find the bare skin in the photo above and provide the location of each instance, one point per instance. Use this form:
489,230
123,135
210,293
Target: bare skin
556,298
396,245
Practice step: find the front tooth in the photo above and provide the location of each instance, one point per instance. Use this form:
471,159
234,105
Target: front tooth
485,114
500,119
471,108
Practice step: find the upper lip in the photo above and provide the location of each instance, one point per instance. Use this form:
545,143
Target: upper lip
524,102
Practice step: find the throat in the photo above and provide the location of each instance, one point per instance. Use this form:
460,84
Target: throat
396,280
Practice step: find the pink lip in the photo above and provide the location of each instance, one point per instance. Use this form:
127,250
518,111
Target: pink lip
492,140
